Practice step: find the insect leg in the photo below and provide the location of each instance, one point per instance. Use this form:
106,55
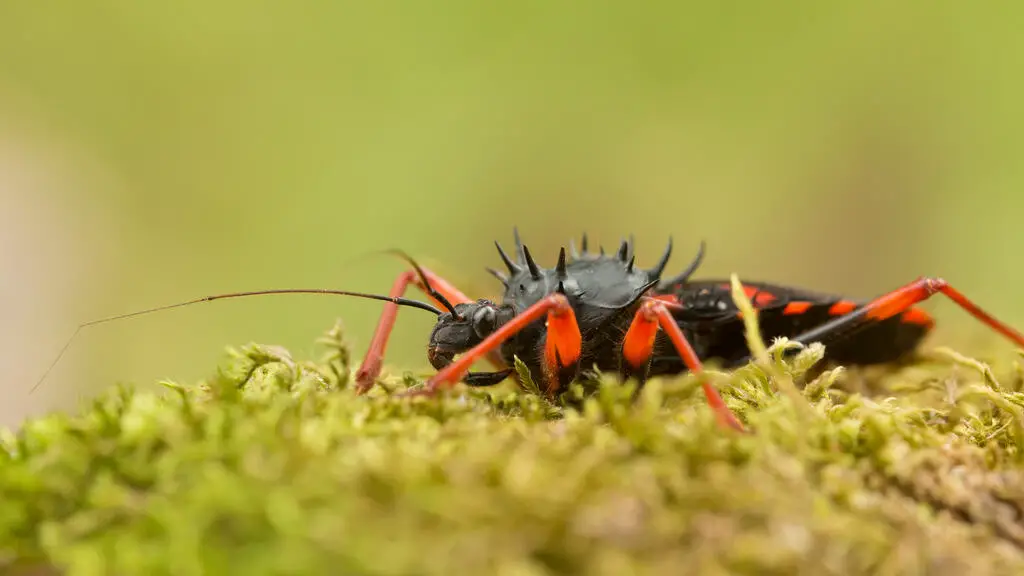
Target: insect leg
561,351
372,362
638,346
900,301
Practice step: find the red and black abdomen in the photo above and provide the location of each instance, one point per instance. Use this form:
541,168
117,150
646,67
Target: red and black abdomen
872,342
712,320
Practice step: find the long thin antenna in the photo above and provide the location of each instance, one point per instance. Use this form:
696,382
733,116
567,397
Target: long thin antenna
426,283
397,300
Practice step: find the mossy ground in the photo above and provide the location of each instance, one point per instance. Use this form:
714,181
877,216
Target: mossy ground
275,466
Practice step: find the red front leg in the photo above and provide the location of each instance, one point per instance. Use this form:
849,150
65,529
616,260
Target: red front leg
638,346
372,362
562,348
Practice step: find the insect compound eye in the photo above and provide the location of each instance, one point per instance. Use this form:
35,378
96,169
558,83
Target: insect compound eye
484,320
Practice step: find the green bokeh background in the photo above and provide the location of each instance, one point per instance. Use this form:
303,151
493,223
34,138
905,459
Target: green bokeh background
164,152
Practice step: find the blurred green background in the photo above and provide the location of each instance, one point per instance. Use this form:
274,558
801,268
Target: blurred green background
151,153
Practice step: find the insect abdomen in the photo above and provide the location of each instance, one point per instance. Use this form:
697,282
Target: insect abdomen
873,342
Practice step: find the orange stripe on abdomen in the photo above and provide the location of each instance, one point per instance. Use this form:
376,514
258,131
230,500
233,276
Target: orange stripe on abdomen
796,308
842,307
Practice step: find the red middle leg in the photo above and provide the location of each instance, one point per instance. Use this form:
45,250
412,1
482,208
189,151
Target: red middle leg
638,346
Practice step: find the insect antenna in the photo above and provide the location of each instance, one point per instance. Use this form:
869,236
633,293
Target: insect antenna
395,299
426,283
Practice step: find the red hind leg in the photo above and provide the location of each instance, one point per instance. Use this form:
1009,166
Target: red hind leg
562,348
371,366
638,345
900,301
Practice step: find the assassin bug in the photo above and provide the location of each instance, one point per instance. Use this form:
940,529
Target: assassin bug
600,310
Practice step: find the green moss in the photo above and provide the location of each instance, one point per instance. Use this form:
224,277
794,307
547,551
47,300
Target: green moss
275,466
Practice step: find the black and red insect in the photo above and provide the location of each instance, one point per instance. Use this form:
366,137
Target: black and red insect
602,310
